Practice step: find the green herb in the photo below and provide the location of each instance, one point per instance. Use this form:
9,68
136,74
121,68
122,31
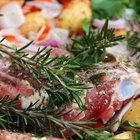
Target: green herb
91,48
94,78
37,119
114,8
60,87
54,79
134,4
108,8
59,75
136,136
127,123
86,25
43,121
134,42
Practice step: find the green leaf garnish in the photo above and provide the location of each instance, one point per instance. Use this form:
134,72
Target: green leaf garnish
108,8
86,26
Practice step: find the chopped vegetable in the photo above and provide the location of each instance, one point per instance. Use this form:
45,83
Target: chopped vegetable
46,29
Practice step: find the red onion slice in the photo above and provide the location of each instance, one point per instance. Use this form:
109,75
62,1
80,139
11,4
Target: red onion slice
52,43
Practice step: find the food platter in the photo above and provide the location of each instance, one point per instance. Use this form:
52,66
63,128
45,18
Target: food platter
69,69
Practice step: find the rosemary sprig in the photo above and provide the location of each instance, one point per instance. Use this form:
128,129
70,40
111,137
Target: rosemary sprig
134,42
43,121
57,76
91,48
50,73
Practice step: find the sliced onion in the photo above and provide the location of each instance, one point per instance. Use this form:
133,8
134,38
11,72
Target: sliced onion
59,35
52,43
9,31
115,24
12,16
49,10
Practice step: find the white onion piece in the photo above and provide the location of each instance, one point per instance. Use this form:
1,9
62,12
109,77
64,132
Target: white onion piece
16,33
9,31
115,24
59,35
12,16
49,10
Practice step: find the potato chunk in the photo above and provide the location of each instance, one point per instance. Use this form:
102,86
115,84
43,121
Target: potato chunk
34,21
73,14
4,2
132,115
124,135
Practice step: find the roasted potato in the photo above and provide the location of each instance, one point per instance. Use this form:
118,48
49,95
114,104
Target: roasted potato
73,14
124,135
34,21
132,115
4,2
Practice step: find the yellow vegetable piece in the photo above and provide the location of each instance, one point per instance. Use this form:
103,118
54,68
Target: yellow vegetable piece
118,32
73,14
124,135
34,21
132,115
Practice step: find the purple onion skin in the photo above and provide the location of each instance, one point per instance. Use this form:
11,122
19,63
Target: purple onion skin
52,43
